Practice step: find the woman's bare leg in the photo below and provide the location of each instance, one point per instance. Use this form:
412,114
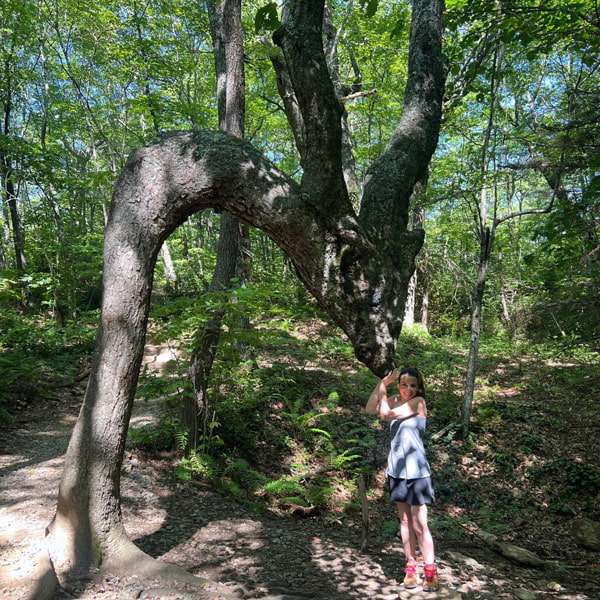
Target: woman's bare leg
421,530
407,532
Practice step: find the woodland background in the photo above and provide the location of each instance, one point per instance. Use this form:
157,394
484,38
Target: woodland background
512,201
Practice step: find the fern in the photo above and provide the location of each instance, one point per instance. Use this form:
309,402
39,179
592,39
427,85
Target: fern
294,492
182,438
318,495
338,462
321,432
283,487
247,478
199,464
295,500
232,488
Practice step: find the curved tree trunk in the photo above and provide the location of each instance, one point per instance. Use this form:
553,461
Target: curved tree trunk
357,275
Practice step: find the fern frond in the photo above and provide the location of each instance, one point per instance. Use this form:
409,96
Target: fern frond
181,438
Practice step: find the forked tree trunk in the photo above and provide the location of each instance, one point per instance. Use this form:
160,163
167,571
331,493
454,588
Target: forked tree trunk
357,267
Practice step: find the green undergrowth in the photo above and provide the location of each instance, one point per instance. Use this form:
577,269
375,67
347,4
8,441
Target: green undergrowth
286,431
283,429
36,354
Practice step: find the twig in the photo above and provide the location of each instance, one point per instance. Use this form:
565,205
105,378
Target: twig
442,431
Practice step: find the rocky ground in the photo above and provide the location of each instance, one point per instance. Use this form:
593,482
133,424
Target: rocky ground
266,556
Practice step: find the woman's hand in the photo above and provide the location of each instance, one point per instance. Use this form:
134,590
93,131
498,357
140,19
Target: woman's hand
390,377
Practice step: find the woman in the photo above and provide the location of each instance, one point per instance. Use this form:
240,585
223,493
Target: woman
408,472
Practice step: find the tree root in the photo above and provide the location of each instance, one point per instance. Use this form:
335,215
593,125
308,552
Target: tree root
44,579
514,553
130,561
158,579
43,582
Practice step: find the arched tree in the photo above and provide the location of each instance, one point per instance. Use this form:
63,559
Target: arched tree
357,266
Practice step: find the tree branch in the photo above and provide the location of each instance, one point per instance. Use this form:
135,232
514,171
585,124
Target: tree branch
522,213
358,95
392,177
300,38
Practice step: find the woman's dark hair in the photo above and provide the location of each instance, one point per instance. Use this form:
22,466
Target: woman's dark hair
413,372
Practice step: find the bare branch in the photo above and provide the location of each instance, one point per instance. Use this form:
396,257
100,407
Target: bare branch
358,95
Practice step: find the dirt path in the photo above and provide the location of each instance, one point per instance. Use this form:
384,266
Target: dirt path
255,556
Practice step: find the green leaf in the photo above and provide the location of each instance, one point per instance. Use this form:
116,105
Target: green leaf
398,28
267,18
370,6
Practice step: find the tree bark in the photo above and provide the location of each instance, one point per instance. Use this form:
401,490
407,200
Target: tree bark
476,316
168,268
417,218
226,32
486,240
357,274
8,183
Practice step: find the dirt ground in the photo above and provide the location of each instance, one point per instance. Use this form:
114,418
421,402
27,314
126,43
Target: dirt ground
252,556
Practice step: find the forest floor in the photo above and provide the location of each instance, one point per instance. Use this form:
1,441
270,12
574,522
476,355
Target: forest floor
269,556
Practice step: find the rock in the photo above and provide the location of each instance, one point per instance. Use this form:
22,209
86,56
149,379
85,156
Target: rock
468,561
586,533
519,555
553,586
523,594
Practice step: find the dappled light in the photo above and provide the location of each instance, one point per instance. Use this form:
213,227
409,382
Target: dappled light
200,287
483,487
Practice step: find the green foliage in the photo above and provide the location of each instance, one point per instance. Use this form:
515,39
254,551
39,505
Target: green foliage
198,464
75,119
487,413
266,18
161,436
35,352
569,477
278,445
302,422
239,471
5,418
390,528
370,7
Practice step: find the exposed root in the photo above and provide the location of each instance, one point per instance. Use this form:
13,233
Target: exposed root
44,581
129,561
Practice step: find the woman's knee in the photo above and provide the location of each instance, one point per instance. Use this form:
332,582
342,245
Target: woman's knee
418,528
419,521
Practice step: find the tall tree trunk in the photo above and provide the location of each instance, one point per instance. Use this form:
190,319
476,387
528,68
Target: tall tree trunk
202,358
4,240
476,315
485,242
18,237
8,185
424,320
357,276
168,268
411,295
226,31
417,217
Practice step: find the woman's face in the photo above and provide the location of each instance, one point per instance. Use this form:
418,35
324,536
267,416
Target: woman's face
408,387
